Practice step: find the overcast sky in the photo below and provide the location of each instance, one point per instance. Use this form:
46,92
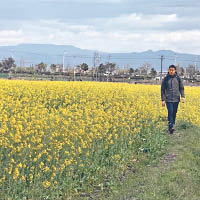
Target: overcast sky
104,25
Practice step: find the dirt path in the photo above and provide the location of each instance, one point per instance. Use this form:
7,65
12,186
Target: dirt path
175,176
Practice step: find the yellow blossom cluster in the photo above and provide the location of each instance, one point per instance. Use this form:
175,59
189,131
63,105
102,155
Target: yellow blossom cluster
51,129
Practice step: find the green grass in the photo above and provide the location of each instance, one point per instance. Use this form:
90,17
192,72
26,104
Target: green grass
104,168
173,176
158,167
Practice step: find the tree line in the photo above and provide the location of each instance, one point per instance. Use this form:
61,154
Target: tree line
101,70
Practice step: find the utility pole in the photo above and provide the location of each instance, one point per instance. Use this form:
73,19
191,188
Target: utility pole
98,63
22,62
162,57
74,67
96,60
124,74
68,66
64,60
108,74
94,65
12,56
175,56
195,63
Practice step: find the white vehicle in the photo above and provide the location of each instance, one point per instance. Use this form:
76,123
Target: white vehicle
107,73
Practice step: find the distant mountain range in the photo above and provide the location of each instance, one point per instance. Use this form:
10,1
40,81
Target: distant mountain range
31,54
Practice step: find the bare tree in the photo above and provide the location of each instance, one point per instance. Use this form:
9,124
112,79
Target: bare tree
41,67
145,68
131,71
191,70
153,72
110,67
8,64
53,67
84,67
180,70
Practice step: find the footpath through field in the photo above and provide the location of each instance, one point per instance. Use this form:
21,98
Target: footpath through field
174,176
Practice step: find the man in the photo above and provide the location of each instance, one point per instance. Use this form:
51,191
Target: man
171,90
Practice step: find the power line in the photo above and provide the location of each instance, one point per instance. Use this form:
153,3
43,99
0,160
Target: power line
161,59
104,56
109,56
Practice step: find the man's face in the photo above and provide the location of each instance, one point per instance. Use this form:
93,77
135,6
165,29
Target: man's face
171,71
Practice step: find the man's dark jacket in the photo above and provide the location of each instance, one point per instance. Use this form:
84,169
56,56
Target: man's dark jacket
171,88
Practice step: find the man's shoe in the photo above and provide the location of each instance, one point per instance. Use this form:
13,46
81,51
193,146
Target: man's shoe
171,131
173,127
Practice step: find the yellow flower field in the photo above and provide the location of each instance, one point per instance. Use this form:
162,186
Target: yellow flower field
55,131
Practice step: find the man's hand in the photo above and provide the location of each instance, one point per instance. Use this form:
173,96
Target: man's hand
183,100
163,103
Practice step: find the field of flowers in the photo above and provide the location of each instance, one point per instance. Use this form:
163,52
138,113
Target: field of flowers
62,138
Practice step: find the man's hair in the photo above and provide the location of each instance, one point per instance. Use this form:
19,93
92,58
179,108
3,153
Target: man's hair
172,66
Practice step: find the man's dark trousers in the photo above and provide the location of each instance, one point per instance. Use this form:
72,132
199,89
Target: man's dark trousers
172,108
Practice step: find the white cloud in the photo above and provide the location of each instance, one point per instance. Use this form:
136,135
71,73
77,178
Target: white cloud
99,1
137,21
104,39
87,1
10,37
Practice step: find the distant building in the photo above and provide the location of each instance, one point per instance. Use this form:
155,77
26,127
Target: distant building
158,77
